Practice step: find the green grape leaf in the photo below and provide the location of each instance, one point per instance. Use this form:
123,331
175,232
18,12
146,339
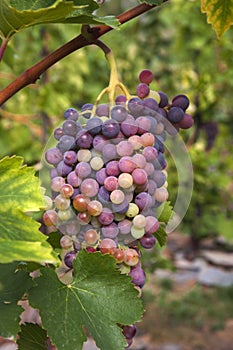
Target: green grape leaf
161,236
110,21
32,336
13,285
219,14
99,298
152,2
20,238
166,213
16,15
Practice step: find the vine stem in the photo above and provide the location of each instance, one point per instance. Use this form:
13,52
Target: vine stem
31,75
114,82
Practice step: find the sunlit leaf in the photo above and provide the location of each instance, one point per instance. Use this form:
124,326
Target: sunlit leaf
219,14
20,238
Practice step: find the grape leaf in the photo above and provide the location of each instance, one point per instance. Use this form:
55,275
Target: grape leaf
166,213
16,15
100,297
161,236
20,238
13,284
219,14
32,336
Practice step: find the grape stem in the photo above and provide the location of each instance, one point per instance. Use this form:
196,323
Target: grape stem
114,82
33,73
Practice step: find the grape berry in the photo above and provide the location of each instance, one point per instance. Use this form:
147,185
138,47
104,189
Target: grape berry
108,177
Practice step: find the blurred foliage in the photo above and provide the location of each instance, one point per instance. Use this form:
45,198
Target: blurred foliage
178,45
199,308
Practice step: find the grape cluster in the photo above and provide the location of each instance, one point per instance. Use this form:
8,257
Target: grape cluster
108,176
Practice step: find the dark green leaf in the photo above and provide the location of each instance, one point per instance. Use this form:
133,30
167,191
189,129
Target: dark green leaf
13,284
32,336
99,298
54,240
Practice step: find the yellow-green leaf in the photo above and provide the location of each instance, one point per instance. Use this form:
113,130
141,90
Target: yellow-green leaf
219,14
20,238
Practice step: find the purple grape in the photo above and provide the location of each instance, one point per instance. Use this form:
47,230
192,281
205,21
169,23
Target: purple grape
142,90
53,156
175,114
150,153
159,145
146,76
70,157
162,112
103,195
66,143
101,175
126,165
99,141
181,101
120,208
129,331
83,169
110,231
139,177
119,113
71,114
150,105
63,169
73,179
143,200
187,122
58,133
125,226
112,168
129,127
163,99
110,128
159,178
102,110
94,126
109,152
53,173
120,100
148,241
138,276
151,187
144,125
106,217
162,160
86,110
69,127
89,187
69,258
135,106
152,224
84,139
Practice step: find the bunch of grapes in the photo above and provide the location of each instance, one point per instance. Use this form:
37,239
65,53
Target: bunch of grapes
108,176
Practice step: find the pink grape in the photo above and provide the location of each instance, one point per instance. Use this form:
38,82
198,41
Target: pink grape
89,187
